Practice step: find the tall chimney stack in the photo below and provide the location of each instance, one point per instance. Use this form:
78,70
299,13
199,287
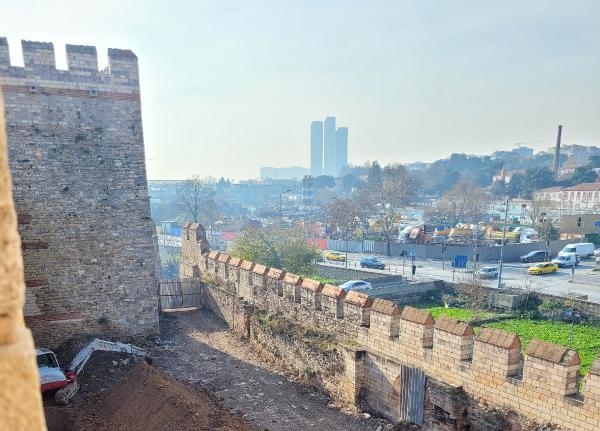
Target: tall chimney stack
557,153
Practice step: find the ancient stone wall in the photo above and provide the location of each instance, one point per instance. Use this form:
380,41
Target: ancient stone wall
541,383
76,152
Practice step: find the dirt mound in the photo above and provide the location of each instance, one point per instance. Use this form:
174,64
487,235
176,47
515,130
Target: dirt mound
146,400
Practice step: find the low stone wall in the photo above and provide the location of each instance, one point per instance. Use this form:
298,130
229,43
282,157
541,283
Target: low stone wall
345,274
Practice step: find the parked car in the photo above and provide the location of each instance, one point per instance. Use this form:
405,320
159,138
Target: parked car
356,285
543,268
536,256
371,262
584,250
566,260
488,272
335,256
597,252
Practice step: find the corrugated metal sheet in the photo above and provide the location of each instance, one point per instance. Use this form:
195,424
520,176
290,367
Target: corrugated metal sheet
180,294
411,395
354,246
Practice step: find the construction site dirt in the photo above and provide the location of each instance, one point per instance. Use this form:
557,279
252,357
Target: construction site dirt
203,377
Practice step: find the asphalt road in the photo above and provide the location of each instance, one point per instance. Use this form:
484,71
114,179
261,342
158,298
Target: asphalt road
585,281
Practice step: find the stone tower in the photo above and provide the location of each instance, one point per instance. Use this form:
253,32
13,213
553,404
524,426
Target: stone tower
76,153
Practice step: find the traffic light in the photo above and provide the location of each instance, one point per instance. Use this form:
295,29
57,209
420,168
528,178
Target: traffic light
578,221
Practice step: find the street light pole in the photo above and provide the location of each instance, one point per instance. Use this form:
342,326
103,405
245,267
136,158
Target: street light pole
502,245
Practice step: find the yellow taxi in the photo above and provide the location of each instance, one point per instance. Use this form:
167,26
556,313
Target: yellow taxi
543,268
335,256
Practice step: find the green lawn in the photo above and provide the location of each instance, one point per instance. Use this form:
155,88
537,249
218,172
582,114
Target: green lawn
464,314
585,338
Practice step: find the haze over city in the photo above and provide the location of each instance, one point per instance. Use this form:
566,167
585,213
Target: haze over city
235,85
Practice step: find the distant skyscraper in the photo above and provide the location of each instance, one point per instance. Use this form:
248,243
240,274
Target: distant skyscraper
341,149
329,166
316,148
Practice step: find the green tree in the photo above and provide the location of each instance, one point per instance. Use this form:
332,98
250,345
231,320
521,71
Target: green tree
522,185
275,247
323,181
594,161
584,174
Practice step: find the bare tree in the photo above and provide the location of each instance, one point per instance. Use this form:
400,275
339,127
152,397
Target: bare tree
463,203
344,215
539,212
386,193
198,200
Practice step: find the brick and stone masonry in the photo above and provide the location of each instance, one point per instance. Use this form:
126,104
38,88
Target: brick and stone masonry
541,383
76,153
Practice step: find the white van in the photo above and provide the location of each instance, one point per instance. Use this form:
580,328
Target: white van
565,259
583,249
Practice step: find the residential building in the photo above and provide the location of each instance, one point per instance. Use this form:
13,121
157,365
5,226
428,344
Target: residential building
580,198
307,190
578,154
503,176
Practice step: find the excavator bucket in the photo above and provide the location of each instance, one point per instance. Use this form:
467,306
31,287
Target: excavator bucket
63,395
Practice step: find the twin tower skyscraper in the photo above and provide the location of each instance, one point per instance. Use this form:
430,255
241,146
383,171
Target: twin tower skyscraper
328,148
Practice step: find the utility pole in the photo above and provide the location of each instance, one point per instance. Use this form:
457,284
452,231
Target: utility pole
475,232
502,245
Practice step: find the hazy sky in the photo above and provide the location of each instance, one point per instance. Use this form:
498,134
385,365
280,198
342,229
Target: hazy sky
228,87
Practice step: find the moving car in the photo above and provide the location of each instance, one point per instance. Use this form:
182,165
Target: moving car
335,256
535,256
488,272
542,268
566,259
584,250
371,262
356,285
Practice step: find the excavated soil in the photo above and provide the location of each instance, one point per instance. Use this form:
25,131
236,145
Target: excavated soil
146,400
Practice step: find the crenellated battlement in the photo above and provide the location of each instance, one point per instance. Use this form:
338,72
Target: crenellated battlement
39,70
541,382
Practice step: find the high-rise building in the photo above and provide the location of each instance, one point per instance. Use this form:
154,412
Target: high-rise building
329,167
316,148
328,148
341,149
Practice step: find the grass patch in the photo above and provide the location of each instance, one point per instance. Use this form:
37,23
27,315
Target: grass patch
324,280
585,338
464,314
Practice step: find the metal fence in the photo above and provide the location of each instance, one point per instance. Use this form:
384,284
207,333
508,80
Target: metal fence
354,246
511,252
180,294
